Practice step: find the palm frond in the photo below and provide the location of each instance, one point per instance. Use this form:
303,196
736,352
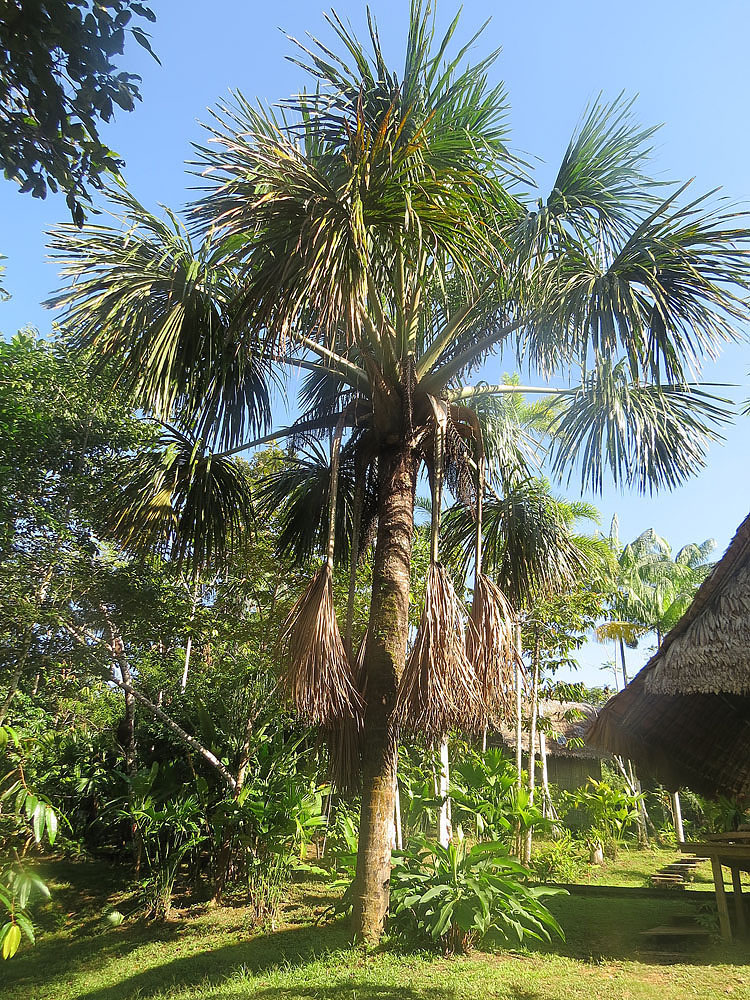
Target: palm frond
317,676
438,688
159,311
647,436
319,205
602,183
614,631
296,498
529,546
182,502
665,295
491,649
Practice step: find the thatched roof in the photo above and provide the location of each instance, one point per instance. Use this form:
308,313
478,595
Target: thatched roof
686,715
708,650
568,723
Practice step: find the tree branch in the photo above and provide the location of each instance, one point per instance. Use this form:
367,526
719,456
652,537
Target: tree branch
472,391
157,712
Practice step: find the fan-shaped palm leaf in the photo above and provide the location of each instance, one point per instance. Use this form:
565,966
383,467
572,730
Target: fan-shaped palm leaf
664,297
647,436
182,502
529,545
159,310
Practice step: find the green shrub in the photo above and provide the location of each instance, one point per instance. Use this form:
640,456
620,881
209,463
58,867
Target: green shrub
486,800
456,898
559,861
611,812
171,834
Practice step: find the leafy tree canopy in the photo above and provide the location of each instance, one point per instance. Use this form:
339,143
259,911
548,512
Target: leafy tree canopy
58,79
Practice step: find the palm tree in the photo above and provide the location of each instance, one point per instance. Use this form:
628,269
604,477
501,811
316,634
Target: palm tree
373,234
651,590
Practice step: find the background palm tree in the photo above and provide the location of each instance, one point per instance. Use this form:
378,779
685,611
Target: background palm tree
651,589
374,234
652,592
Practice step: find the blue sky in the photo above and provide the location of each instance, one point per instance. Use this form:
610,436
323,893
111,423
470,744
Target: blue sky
686,61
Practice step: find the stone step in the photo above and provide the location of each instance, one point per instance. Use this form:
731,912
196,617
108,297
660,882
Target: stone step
671,931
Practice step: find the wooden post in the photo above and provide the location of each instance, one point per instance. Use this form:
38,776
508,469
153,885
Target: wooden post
445,830
677,811
721,900
739,903
397,806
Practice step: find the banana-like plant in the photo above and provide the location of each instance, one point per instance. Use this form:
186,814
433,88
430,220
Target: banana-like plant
372,233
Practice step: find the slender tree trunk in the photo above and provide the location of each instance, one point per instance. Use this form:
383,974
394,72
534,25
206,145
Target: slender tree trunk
677,811
129,746
189,643
126,733
519,712
532,745
624,668
547,806
385,656
397,808
224,854
445,827
614,669
519,736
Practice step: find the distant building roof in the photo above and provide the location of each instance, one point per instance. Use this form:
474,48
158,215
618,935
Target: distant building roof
567,722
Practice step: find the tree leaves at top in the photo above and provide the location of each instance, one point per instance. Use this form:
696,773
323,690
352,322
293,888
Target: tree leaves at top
58,79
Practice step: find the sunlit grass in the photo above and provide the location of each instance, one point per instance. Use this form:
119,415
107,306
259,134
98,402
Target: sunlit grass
214,954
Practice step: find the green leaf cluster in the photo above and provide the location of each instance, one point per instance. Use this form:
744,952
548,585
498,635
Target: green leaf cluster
457,896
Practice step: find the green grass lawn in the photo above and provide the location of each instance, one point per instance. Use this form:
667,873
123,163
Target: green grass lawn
633,867
213,953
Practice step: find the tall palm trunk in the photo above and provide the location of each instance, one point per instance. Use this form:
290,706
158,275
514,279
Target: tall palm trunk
519,711
385,657
622,659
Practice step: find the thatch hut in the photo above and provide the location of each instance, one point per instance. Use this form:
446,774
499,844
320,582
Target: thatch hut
570,760
685,717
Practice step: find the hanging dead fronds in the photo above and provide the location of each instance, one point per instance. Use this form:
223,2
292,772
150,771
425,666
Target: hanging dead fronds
491,648
439,689
317,676
344,740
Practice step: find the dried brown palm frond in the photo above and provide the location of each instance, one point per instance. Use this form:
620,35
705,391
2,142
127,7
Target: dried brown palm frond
344,740
317,676
439,689
491,649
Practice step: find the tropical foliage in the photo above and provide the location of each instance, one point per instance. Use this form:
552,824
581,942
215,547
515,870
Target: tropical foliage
457,896
372,232
58,80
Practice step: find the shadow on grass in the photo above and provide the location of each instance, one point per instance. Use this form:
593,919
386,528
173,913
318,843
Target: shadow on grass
602,929
47,962
597,930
